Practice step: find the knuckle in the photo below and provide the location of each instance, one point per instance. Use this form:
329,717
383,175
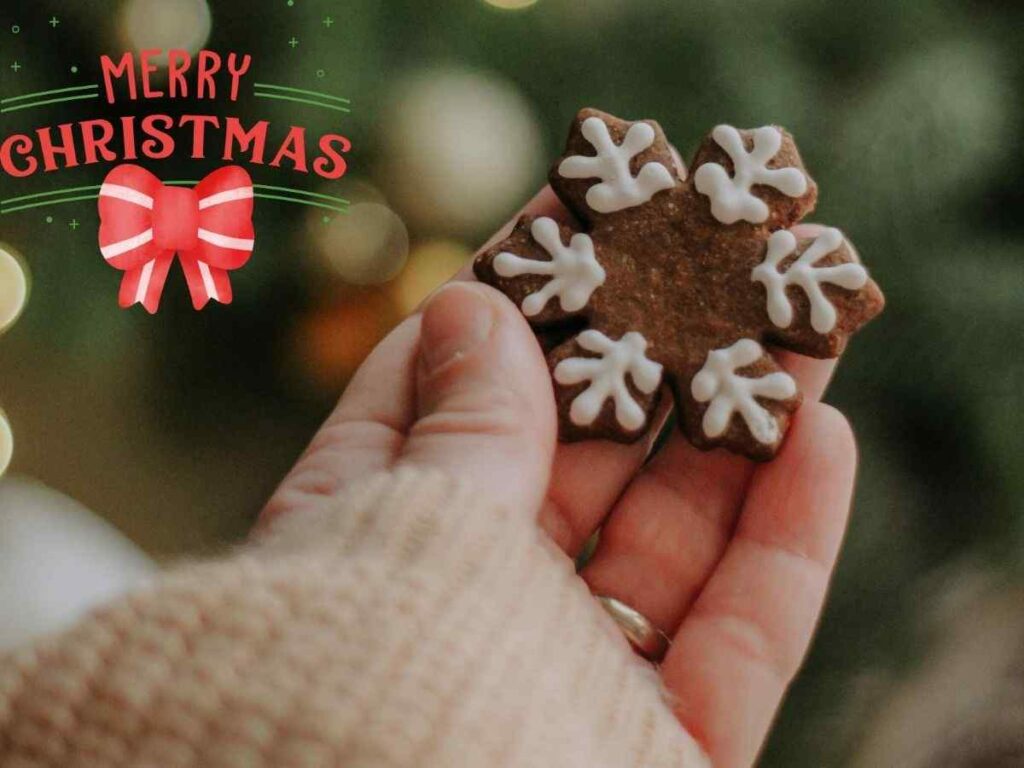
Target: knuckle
322,470
752,644
495,411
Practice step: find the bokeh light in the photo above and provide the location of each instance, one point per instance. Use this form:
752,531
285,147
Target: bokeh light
13,288
461,149
430,264
366,246
6,443
511,5
166,24
330,341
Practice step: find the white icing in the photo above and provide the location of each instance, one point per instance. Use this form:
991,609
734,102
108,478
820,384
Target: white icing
731,198
618,188
809,278
728,392
574,269
607,377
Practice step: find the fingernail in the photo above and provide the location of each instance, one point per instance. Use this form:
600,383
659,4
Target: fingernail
456,320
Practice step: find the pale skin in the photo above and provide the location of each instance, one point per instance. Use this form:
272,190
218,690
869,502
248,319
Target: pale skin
730,559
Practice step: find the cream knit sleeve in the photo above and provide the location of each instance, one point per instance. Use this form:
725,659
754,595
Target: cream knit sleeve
407,624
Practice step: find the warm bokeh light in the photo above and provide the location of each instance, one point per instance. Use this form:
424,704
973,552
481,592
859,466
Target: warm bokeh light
330,341
6,443
366,246
511,5
166,24
430,264
13,288
461,150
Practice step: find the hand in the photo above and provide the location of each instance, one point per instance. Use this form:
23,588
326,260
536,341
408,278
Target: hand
730,559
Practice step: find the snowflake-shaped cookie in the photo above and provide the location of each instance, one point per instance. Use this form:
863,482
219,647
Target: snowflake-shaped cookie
681,280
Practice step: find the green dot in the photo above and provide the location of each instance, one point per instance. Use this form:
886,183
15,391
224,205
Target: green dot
49,219
15,29
291,3
327,219
74,70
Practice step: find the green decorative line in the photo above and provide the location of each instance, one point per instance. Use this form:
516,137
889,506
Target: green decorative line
46,202
68,190
341,207
287,89
50,101
272,188
174,183
314,203
302,101
339,200
50,93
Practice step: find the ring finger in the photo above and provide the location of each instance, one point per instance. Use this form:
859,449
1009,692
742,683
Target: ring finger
672,525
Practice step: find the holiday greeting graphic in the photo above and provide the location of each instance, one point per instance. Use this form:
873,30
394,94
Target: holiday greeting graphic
144,222
147,224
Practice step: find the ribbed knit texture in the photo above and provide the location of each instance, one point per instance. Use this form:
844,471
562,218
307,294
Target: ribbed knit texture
403,625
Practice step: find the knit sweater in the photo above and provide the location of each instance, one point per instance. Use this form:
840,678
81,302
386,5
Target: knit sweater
405,624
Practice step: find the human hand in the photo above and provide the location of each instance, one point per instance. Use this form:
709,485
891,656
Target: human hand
730,559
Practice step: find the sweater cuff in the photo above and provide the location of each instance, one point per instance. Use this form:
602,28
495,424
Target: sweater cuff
508,612
406,623
403,515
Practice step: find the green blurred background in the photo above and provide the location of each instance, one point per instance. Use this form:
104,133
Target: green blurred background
176,427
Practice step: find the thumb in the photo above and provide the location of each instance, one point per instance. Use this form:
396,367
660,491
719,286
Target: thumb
484,409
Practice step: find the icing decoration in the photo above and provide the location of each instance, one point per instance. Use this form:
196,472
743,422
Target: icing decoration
574,269
618,188
607,377
731,198
803,274
729,392
682,298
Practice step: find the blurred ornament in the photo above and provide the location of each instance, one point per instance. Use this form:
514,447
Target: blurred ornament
13,288
430,264
332,340
366,246
57,561
461,150
166,24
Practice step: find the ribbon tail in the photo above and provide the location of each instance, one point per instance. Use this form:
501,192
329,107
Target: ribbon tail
145,284
205,282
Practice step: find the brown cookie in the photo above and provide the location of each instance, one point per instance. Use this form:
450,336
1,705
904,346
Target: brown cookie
680,280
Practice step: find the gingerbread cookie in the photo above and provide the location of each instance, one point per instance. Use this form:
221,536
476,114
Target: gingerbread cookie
683,280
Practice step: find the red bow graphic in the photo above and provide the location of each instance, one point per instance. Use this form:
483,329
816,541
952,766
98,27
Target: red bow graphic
143,223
